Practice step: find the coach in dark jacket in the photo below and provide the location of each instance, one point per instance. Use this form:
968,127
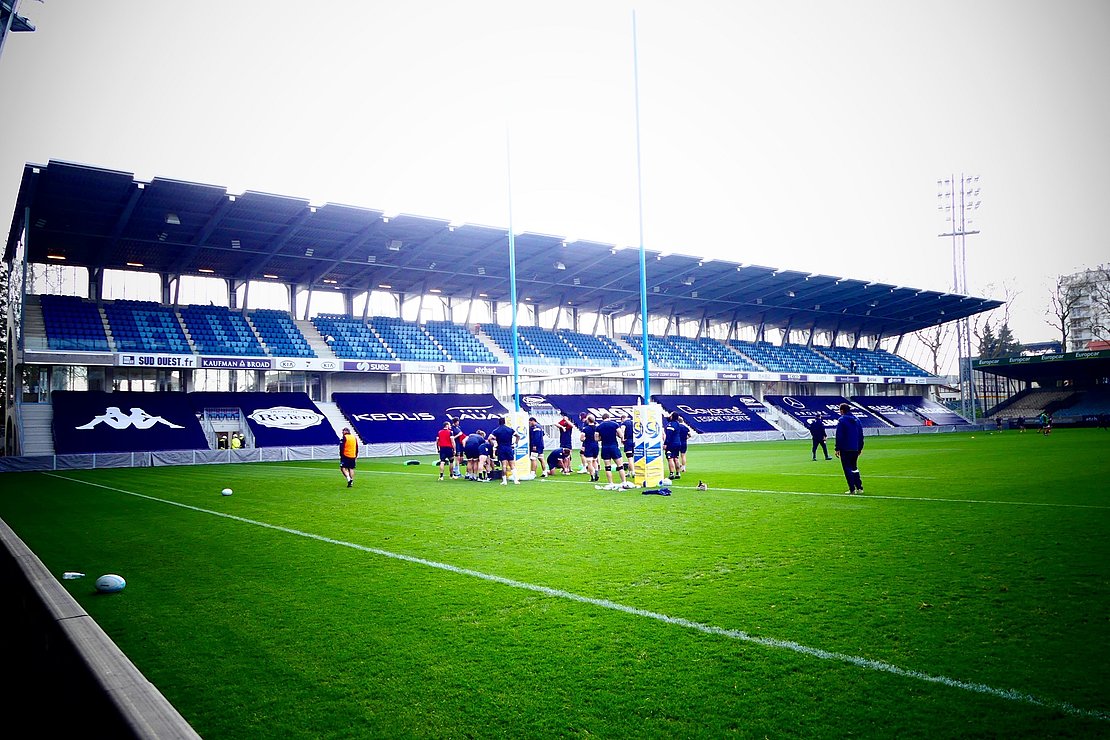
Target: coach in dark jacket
848,446
817,431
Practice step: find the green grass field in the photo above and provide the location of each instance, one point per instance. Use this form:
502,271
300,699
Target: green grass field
967,593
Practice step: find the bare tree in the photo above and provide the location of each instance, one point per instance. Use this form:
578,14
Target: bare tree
933,339
1063,299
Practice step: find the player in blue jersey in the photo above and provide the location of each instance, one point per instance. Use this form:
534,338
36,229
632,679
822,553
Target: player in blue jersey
629,448
670,446
535,447
590,447
472,448
505,437
609,436
559,459
682,437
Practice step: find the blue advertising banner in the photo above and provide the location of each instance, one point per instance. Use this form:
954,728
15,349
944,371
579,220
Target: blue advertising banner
619,406
898,410
275,419
412,417
124,421
827,408
904,411
715,413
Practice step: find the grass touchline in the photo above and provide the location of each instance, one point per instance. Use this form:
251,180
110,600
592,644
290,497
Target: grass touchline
876,665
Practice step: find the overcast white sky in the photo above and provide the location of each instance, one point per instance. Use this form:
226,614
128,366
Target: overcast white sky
804,135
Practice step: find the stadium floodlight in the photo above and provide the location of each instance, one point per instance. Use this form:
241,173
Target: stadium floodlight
958,198
173,219
559,266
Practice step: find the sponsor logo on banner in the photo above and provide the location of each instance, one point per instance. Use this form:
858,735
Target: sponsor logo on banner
287,364
793,376
426,367
138,419
713,415
367,366
752,402
846,378
1051,358
732,376
617,412
476,412
144,360
286,417
894,380
793,402
1085,355
1020,360
236,363
395,416
484,369
647,431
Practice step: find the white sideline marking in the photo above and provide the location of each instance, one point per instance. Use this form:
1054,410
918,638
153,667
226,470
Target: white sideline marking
863,497
875,665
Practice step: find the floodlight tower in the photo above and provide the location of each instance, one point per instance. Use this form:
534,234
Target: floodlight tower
958,198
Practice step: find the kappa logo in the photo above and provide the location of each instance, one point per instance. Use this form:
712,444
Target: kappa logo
138,419
286,417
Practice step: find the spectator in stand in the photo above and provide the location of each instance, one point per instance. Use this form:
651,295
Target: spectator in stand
445,442
817,432
348,452
506,438
848,446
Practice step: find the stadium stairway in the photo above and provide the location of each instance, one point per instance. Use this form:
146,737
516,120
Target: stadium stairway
315,341
38,434
34,326
334,416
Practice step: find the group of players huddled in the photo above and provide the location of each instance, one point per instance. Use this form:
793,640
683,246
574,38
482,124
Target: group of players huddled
605,442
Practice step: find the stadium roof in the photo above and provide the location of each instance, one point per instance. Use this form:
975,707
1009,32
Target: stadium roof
1085,367
98,218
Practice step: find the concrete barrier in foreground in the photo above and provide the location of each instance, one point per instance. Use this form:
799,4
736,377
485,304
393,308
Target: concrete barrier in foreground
69,676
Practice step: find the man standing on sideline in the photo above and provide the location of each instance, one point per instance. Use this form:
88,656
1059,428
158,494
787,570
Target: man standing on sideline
535,447
609,436
817,431
506,438
348,452
848,445
629,448
445,442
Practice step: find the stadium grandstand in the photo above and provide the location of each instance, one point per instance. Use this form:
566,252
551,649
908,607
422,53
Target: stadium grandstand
320,305
1071,387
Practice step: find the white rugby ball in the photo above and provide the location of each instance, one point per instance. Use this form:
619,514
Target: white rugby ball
110,583
226,492
665,482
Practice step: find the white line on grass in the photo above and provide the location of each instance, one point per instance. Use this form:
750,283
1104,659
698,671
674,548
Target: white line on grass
864,497
874,665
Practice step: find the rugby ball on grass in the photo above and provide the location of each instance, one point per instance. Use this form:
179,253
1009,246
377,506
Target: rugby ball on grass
110,583
226,492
